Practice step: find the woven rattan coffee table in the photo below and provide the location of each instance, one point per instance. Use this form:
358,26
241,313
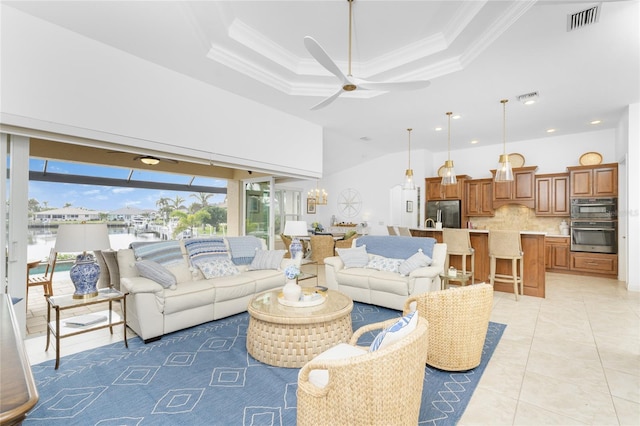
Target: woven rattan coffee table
286,336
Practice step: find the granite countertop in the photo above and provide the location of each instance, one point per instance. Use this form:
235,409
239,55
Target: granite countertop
486,231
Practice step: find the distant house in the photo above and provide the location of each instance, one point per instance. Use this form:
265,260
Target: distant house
67,214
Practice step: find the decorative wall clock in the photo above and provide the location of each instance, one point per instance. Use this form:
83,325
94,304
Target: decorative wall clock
349,202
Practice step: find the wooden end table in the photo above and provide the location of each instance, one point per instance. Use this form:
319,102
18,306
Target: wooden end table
66,301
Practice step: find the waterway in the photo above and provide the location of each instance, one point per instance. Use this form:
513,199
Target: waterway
41,240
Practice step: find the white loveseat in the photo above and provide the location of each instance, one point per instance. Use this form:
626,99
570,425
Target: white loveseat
154,309
383,287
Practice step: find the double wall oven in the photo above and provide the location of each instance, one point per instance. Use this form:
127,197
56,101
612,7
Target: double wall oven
594,225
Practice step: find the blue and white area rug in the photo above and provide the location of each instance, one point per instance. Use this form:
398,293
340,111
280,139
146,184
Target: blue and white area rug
204,376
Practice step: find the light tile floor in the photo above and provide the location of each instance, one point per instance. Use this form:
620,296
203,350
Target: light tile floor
570,358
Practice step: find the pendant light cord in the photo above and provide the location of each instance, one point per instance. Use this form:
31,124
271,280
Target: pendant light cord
504,125
409,155
350,23
449,137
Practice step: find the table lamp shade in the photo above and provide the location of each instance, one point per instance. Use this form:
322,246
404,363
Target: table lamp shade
295,229
83,237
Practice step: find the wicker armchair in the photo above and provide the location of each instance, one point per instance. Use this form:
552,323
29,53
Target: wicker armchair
375,388
458,321
321,247
347,243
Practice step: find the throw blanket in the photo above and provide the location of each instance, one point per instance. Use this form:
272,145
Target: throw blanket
243,249
395,247
166,253
202,250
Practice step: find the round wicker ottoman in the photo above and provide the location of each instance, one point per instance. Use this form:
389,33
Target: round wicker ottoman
286,336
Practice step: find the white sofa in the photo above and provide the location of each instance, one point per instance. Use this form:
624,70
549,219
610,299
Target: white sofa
384,288
153,310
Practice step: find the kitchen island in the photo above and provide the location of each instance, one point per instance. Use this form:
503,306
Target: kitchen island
532,246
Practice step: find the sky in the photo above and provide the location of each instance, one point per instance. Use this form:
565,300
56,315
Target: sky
109,198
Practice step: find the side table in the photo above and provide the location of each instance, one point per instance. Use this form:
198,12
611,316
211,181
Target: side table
66,301
460,277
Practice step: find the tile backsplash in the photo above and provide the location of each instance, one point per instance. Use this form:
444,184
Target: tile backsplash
518,218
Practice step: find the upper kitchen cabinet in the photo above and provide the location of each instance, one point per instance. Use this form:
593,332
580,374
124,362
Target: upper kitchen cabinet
552,195
594,181
478,199
519,191
436,191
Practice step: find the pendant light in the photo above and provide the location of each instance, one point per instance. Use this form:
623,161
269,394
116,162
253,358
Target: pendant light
408,174
449,175
504,173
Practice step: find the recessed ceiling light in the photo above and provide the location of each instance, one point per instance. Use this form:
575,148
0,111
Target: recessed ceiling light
474,141
438,129
551,130
596,122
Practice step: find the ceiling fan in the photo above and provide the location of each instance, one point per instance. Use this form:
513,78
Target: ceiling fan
349,82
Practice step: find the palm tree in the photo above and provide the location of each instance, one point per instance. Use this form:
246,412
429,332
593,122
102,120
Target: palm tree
203,198
189,221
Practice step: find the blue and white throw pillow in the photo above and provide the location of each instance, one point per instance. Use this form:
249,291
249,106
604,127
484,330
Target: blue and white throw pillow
218,268
418,260
396,332
382,263
354,257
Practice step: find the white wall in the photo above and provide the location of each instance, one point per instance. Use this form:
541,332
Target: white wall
551,154
628,148
55,80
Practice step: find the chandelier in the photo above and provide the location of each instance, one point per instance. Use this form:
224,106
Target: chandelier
318,195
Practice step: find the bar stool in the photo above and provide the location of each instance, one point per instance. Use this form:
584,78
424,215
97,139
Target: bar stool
458,243
506,245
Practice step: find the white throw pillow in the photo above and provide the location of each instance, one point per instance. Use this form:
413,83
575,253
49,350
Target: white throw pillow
218,268
395,332
418,260
354,257
266,259
320,378
156,272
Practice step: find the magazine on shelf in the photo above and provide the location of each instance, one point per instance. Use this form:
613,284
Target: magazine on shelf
85,320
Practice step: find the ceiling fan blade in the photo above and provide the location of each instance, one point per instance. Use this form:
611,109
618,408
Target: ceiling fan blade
327,101
393,85
323,59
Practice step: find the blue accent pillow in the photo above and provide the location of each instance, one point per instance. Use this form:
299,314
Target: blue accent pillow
266,259
395,332
218,268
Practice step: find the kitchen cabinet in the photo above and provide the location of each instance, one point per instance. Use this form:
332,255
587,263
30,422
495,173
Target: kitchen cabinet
478,199
519,191
534,259
594,263
557,253
552,195
594,181
436,191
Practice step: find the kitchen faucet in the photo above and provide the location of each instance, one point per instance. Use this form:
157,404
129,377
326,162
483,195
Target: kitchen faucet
426,222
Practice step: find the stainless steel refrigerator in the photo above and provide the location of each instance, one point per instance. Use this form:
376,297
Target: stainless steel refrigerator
449,212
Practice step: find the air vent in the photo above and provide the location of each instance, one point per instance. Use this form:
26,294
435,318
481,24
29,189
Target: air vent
583,18
528,98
